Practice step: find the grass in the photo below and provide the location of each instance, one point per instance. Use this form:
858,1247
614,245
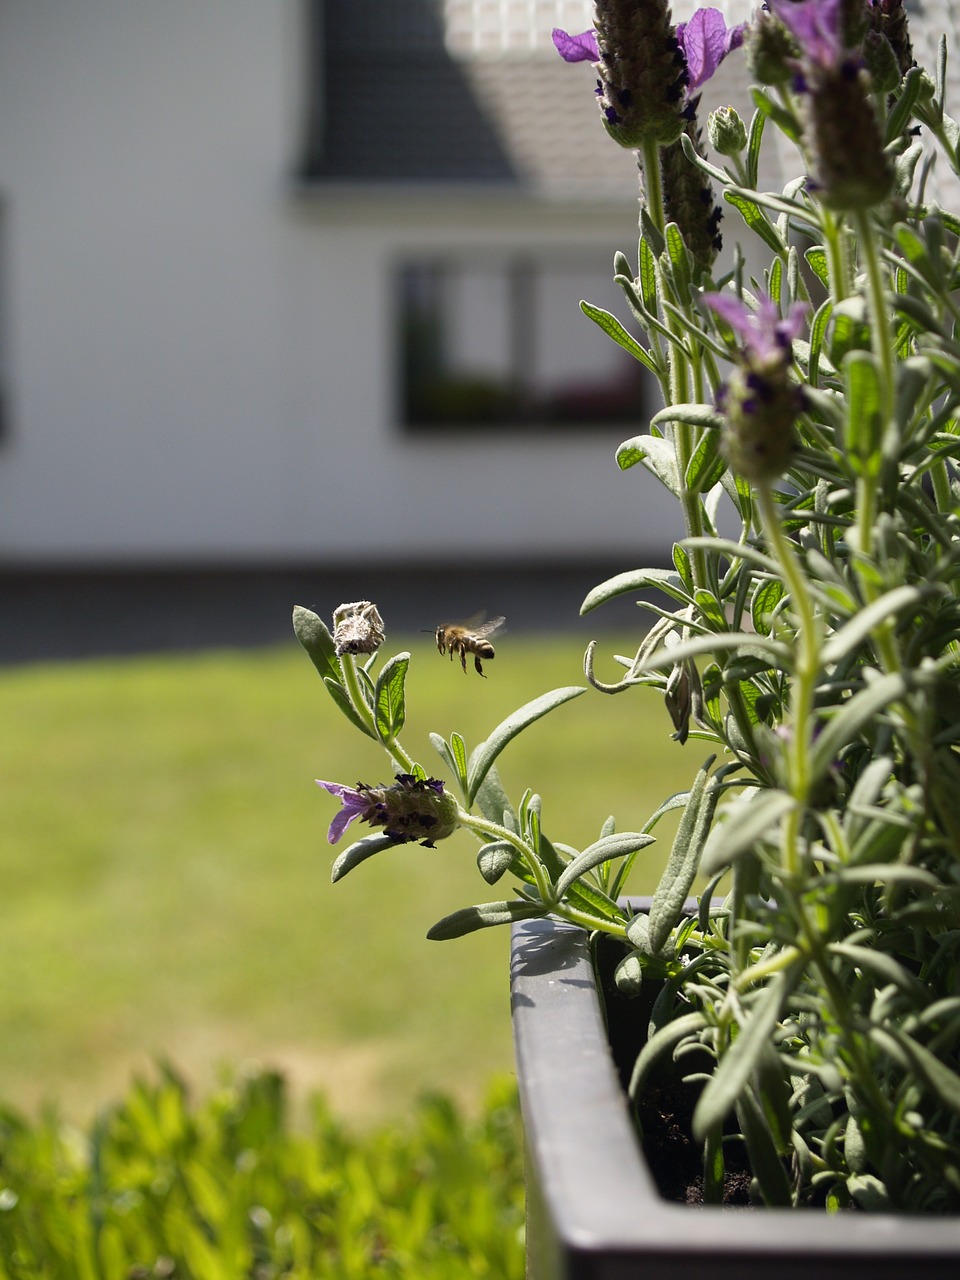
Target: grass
165,872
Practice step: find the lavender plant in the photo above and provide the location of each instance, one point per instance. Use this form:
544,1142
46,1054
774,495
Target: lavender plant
807,631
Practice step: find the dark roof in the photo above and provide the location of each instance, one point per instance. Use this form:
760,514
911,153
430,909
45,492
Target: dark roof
390,104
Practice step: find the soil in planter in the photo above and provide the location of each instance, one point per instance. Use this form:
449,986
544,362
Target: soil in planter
665,1110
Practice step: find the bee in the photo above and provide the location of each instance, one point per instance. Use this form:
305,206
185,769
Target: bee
472,636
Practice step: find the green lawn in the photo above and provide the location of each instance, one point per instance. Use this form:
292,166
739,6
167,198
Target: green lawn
165,871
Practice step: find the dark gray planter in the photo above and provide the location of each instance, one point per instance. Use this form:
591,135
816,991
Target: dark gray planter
592,1206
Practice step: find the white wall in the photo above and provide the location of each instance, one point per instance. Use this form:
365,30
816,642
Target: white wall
200,359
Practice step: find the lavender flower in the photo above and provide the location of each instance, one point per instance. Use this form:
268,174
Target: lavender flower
411,809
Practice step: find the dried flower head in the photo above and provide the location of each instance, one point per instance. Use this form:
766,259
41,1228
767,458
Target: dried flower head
357,628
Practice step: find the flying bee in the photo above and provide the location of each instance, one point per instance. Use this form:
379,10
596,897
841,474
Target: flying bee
472,636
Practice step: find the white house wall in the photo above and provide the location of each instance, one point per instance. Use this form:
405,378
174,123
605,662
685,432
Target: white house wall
199,358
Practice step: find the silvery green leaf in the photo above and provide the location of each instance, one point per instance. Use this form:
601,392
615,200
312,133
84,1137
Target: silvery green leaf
744,823
697,415
853,633
484,916
494,859
358,852
748,645
615,330
316,639
725,1086
938,1077
635,580
342,699
657,456
493,802
608,847
845,724
487,752
671,893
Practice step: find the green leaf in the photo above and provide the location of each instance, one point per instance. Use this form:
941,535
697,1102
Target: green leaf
615,330
389,698
754,140
508,729
818,330
782,118
766,600
706,464
768,650
818,262
455,757
485,916
359,852
647,276
909,92
863,424
619,845
678,258
936,1074
313,635
755,218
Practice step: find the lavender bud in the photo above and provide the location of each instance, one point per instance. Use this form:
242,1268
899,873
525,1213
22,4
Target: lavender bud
726,131
880,61
889,18
770,49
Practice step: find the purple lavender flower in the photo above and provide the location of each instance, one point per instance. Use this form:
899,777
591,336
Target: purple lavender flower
816,26
766,336
581,48
706,40
411,809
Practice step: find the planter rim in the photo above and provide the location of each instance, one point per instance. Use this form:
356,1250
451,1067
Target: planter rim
588,1169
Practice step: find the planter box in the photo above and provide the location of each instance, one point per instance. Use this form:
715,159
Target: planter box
592,1206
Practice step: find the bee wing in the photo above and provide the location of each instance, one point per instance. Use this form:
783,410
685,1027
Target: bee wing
486,629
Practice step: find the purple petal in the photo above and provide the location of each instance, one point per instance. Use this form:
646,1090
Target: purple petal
581,48
761,331
354,803
703,40
815,24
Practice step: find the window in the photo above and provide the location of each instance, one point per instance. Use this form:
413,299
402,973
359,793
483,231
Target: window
501,342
